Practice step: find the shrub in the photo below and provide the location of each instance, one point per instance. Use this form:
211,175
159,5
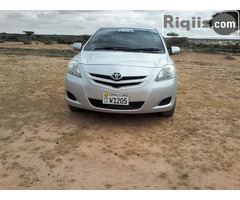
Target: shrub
229,57
48,42
177,41
25,41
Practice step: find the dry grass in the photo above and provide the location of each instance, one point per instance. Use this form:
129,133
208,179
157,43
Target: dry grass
34,45
45,146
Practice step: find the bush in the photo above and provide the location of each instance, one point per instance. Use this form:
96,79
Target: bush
229,57
48,42
2,39
177,41
25,41
64,40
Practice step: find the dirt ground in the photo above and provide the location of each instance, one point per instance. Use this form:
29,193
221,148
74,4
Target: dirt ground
43,145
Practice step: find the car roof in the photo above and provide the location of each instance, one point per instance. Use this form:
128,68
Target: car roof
133,28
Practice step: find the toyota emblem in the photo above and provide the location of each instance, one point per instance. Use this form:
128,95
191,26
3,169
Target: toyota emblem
116,76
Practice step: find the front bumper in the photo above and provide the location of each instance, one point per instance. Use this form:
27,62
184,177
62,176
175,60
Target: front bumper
151,94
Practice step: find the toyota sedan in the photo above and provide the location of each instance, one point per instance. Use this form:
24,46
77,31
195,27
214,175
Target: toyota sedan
123,70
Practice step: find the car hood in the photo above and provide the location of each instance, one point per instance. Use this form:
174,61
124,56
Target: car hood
145,60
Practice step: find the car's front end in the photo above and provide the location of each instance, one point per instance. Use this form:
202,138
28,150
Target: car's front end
122,81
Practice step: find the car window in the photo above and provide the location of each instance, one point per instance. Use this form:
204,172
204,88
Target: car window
132,40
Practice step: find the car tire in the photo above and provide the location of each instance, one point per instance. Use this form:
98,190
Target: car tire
73,109
169,113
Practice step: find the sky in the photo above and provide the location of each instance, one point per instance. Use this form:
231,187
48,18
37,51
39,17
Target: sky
74,22
79,22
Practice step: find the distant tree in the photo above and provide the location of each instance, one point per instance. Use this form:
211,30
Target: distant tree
3,36
29,33
175,40
172,34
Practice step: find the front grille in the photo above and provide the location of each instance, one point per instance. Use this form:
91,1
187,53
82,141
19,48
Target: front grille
125,78
131,106
117,85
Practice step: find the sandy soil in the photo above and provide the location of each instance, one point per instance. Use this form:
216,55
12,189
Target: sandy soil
45,146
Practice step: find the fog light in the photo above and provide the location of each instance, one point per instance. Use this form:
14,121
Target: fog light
71,96
165,101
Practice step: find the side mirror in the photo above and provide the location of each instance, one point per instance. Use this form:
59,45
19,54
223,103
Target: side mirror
174,50
77,46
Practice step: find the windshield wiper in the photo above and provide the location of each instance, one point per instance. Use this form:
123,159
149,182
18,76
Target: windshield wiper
148,49
112,48
127,49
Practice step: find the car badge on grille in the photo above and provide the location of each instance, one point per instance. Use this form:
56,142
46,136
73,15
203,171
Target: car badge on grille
116,76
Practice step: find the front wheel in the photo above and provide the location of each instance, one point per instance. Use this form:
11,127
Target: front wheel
169,113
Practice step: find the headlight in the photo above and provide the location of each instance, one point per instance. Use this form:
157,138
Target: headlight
73,68
167,72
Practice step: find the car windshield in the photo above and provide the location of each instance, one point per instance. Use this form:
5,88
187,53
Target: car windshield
124,39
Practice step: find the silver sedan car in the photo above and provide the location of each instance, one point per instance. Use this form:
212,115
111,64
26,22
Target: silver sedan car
123,70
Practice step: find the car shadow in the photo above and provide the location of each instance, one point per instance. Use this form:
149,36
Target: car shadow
93,117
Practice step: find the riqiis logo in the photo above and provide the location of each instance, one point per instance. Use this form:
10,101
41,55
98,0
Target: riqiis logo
208,24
